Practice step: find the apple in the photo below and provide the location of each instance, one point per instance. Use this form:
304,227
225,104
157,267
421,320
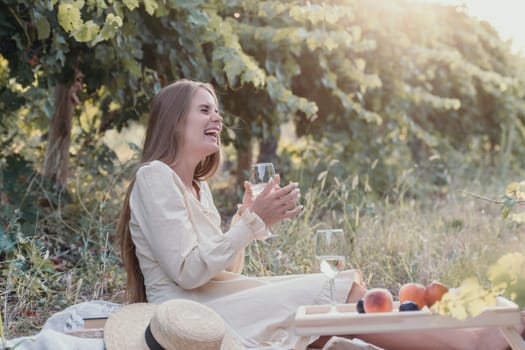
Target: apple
434,292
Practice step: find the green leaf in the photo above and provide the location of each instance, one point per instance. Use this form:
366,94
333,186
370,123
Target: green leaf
101,5
131,4
508,204
4,70
198,18
233,69
88,31
508,274
505,211
162,10
132,66
151,6
508,201
518,217
69,17
43,28
110,28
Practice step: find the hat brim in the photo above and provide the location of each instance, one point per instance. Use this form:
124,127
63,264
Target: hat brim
124,329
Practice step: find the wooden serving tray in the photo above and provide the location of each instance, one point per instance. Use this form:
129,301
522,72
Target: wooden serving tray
340,319
310,318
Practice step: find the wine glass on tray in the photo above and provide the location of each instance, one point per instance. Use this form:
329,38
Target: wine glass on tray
330,250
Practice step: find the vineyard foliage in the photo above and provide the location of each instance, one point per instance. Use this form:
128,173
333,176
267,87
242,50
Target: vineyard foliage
389,83
390,80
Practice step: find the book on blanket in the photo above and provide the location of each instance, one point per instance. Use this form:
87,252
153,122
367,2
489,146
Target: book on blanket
94,322
93,328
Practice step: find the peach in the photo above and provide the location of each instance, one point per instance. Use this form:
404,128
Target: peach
434,292
413,292
378,300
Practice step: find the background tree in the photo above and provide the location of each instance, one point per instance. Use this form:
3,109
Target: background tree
368,80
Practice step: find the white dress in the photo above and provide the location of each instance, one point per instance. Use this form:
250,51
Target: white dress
183,253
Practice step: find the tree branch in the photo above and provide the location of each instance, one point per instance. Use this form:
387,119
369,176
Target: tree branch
490,200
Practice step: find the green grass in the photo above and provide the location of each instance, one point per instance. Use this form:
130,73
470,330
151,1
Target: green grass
413,235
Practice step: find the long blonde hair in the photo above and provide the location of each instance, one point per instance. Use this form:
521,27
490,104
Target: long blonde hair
164,134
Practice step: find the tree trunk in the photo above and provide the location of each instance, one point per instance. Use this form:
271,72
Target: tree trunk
418,150
56,161
244,159
59,139
268,150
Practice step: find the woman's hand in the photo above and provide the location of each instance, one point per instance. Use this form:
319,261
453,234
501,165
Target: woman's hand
248,197
274,203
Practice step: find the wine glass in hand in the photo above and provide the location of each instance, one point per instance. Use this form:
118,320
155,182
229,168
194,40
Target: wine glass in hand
330,250
260,175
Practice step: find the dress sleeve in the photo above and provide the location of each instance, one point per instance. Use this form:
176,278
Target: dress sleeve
159,208
237,264
261,232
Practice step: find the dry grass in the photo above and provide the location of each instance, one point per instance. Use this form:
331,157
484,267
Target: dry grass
449,241
448,237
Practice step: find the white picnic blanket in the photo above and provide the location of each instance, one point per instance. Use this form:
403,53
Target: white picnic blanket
52,336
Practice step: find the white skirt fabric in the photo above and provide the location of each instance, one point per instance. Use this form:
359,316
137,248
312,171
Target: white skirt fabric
261,310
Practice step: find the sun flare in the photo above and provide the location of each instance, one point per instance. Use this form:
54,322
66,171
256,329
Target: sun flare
506,16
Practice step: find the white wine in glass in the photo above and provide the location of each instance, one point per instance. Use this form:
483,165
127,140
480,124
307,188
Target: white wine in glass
260,175
330,250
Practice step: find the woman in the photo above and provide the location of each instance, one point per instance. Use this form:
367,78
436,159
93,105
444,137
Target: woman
172,243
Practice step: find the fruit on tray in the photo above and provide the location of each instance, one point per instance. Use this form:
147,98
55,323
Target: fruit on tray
434,291
412,297
408,306
414,292
378,300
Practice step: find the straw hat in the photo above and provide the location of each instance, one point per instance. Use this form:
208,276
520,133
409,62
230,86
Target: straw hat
177,324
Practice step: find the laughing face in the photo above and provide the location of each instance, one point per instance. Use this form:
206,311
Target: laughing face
203,126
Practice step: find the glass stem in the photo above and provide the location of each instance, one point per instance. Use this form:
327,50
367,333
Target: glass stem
332,290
